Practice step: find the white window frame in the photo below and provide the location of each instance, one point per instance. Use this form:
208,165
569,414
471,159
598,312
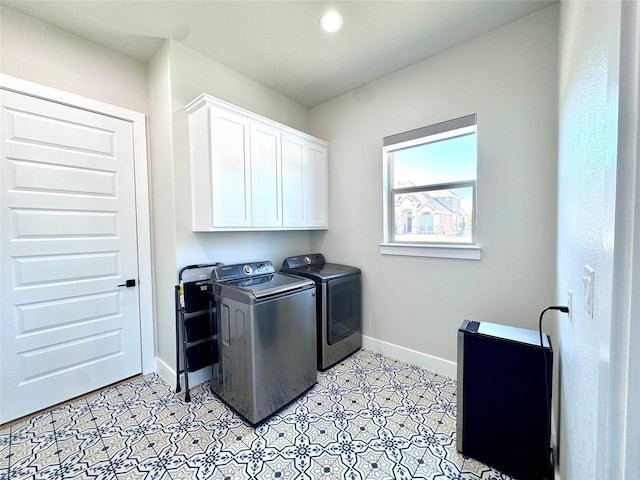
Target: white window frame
440,131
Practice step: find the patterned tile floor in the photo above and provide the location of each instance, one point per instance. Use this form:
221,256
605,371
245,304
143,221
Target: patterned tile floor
370,417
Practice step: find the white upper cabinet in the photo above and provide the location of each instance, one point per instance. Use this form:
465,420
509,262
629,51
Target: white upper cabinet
230,163
266,183
250,173
220,168
292,189
315,184
304,182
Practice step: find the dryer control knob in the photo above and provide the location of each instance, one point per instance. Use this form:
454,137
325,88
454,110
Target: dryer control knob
247,269
307,260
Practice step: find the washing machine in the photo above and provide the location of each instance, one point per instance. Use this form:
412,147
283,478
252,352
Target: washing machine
266,325
338,305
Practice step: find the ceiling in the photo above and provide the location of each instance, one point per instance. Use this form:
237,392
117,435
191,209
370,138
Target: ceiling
279,43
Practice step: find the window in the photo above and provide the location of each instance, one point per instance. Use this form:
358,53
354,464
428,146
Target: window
430,186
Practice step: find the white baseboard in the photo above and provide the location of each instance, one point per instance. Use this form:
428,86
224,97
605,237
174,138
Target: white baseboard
435,364
168,374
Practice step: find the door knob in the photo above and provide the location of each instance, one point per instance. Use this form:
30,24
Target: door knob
129,283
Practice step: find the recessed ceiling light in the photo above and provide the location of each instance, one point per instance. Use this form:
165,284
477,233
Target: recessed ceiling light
331,21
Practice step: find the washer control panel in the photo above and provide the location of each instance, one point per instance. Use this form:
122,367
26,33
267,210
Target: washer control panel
302,261
242,270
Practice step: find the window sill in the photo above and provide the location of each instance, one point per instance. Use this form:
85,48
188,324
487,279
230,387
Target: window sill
461,252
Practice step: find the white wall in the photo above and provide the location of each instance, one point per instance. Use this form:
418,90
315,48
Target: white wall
586,163
509,78
35,51
624,409
598,158
177,76
163,206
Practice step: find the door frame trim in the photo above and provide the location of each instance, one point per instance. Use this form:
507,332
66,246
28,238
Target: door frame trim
138,123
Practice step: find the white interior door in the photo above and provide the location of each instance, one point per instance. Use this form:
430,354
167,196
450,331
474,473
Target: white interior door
67,244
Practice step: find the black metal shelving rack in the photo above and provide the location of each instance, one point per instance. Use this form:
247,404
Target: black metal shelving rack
195,326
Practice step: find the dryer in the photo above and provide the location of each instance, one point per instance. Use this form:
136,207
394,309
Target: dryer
338,305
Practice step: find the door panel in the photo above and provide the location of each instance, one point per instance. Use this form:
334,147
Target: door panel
67,241
41,315
230,166
315,182
33,177
51,224
265,176
292,181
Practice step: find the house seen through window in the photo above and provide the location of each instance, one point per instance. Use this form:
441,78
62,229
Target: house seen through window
430,184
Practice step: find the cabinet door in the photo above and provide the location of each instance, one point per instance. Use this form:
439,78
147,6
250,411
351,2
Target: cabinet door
304,182
266,198
230,169
292,184
315,185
